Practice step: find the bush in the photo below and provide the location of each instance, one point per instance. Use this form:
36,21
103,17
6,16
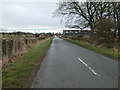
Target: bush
75,38
84,39
105,32
80,38
41,38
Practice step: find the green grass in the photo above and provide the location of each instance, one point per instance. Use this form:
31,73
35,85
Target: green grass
16,74
103,51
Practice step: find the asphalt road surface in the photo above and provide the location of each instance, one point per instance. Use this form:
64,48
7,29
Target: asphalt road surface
67,65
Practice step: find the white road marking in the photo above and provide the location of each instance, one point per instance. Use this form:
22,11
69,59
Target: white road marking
88,67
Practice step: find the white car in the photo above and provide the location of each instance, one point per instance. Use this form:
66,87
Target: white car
60,36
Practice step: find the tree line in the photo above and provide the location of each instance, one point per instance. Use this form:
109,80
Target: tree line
103,19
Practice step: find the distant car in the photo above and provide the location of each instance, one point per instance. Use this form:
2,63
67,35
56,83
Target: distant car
60,36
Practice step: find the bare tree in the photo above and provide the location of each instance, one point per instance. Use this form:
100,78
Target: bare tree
86,14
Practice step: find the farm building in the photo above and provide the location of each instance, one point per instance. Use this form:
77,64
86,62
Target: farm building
79,33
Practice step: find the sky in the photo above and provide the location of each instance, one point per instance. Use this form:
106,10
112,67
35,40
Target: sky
30,17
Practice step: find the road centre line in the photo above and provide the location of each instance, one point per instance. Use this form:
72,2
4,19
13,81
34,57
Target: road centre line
88,67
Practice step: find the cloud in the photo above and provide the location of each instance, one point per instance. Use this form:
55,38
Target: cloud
30,15
30,0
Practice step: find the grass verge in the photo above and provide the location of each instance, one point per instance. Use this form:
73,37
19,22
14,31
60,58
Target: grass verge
103,51
17,74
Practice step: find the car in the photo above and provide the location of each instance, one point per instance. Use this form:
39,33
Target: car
60,36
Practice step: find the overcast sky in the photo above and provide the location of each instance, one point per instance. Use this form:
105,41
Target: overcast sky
30,15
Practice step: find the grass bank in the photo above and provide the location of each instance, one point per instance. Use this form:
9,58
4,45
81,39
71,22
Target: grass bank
103,51
18,73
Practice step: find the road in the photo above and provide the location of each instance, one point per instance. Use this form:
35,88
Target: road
67,65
